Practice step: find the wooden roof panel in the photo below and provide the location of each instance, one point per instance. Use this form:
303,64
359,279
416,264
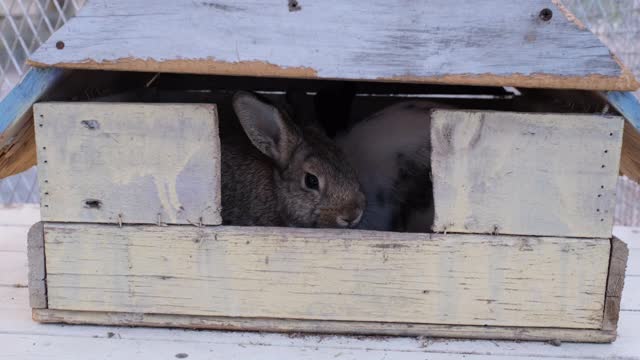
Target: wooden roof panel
491,43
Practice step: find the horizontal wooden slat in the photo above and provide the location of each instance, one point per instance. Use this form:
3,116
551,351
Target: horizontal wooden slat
630,299
128,163
629,234
17,319
324,326
328,275
421,41
13,269
633,266
517,173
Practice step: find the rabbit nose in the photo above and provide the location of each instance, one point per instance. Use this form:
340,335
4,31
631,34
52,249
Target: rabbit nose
350,219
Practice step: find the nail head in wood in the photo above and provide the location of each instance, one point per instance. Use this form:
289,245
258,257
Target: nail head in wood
545,14
294,5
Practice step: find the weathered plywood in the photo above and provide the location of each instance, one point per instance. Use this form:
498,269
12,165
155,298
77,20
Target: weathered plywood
17,136
516,173
323,326
37,273
615,284
420,41
328,275
128,163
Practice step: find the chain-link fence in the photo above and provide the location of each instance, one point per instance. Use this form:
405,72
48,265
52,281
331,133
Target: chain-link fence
616,23
25,24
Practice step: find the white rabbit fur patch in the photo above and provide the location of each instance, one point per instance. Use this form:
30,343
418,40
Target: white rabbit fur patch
390,151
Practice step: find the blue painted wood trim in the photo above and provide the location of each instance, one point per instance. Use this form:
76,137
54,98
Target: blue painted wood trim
627,104
32,87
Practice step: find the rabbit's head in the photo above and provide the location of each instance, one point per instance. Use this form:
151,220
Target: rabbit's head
313,183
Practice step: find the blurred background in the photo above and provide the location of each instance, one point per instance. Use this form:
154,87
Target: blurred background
25,24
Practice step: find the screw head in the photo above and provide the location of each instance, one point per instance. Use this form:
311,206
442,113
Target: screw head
60,45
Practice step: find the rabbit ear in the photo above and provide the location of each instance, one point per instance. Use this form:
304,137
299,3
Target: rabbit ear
266,127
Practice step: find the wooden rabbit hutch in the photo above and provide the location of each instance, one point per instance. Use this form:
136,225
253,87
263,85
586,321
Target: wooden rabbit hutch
523,177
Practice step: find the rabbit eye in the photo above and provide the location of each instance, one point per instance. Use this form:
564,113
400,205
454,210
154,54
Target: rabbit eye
311,181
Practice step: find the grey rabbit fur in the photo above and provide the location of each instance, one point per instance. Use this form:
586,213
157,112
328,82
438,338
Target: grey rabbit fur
275,173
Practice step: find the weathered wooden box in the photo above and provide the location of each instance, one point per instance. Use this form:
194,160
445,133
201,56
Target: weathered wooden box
523,185
131,233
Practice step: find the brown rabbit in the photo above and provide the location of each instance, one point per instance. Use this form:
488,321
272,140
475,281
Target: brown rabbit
281,175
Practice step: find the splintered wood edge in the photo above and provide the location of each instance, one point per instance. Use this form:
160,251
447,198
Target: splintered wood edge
19,153
615,284
323,326
37,272
624,82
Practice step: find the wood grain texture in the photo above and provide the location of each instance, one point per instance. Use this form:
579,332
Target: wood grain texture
19,152
18,102
128,163
323,326
328,274
421,41
517,173
630,158
17,145
615,284
37,272
17,141
627,104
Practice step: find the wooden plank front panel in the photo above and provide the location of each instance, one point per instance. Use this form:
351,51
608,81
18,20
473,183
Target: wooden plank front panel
325,326
420,41
328,275
128,163
516,173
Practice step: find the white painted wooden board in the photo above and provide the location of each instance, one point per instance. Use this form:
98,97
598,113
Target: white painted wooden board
325,326
495,42
19,215
633,266
518,173
13,269
630,235
13,238
327,275
101,347
17,321
23,338
128,162
632,288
